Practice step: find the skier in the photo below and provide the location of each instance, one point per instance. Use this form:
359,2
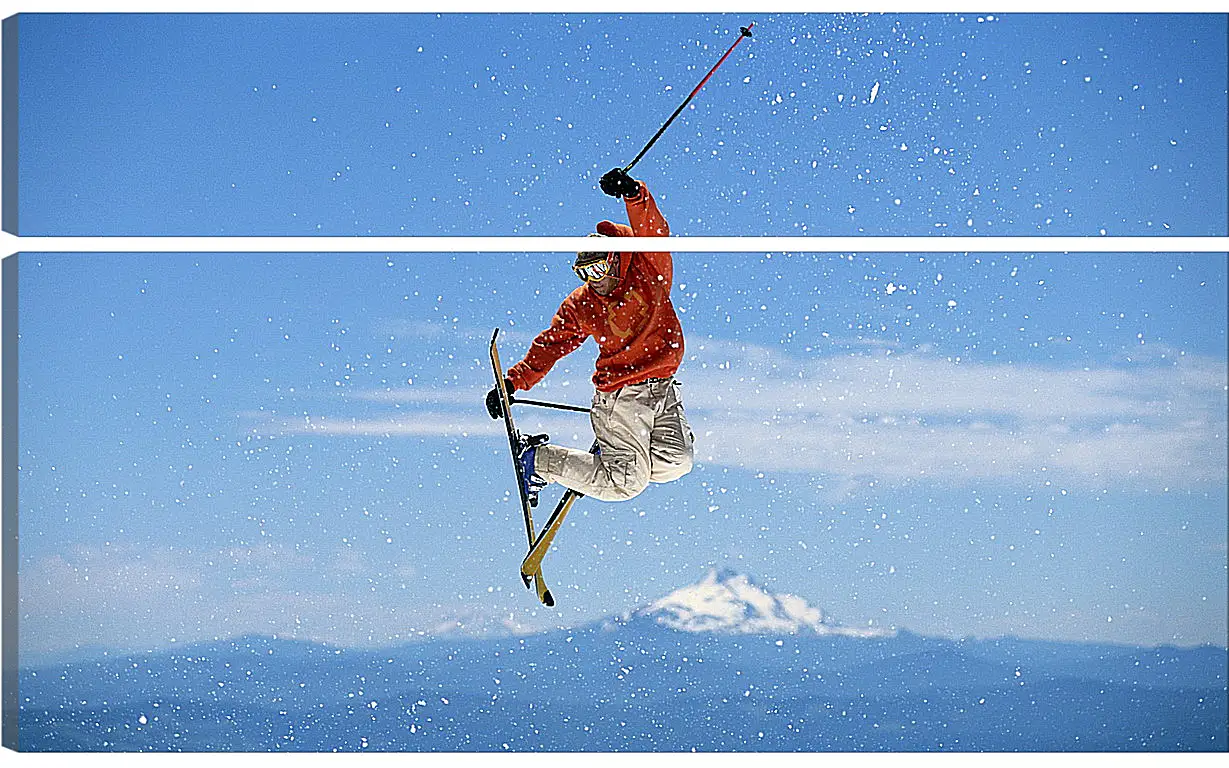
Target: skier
640,428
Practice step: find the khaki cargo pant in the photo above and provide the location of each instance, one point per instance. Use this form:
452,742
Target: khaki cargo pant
644,438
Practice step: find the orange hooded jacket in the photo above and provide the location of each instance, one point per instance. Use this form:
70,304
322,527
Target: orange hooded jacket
635,326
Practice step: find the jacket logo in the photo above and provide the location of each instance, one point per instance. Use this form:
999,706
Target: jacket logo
628,316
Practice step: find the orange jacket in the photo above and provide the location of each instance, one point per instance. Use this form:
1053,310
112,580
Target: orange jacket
637,332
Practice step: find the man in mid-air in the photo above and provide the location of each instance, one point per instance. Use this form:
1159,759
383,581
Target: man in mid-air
641,431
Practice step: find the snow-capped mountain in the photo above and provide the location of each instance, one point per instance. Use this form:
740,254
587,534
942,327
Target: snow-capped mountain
679,675
730,603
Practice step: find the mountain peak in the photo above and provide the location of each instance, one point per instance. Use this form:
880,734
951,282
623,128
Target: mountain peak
724,575
731,603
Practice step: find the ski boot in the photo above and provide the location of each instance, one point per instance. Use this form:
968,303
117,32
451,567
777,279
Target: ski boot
526,453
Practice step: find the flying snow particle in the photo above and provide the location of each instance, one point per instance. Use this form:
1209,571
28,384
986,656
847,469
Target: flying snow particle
874,91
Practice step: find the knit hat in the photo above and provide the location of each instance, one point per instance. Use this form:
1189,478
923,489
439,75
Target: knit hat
585,258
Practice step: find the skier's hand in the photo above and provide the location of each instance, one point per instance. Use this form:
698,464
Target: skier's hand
494,405
618,183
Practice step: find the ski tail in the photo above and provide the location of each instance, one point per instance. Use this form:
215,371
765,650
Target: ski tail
538,548
533,578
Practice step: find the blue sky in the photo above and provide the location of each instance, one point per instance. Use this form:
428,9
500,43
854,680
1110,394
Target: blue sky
896,124
216,444
294,443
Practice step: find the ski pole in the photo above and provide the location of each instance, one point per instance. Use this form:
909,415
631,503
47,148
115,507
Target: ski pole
743,32
521,401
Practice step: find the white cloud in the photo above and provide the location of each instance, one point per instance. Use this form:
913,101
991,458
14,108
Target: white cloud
879,413
898,416
136,599
412,424
418,396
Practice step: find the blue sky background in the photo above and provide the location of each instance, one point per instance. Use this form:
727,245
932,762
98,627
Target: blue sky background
214,445
500,124
957,444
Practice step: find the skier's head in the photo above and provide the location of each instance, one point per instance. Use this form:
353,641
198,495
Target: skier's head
600,269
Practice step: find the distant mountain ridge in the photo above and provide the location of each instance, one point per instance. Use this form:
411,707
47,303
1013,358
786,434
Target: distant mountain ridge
719,665
727,602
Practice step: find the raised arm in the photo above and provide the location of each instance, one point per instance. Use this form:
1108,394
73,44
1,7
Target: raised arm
643,215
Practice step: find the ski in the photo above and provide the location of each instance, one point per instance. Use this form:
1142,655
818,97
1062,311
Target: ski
538,547
534,576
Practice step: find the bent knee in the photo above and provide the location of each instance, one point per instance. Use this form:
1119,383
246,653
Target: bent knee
627,481
664,472
620,493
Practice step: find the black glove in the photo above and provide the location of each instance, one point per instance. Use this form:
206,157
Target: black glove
494,405
617,183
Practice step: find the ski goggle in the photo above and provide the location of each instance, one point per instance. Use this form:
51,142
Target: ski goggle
594,271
